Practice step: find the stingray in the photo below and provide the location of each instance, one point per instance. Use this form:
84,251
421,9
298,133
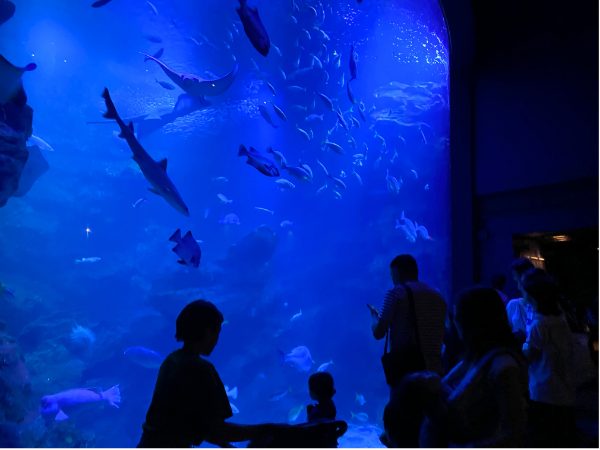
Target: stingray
194,85
10,78
7,10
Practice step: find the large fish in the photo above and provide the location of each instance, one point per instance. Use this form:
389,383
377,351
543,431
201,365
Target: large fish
154,172
254,28
10,78
187,248
7,10
261,162
195,85
56,404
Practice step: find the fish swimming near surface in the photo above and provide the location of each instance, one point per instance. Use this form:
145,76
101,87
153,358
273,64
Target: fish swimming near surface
264,112
58,405
186,248
10,78
254,28
352,63
155,172
259,161
195,85
144,357
7,10
91,259
100,3
299,358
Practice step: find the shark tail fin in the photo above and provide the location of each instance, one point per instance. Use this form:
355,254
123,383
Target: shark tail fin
242,150
176,237
111,111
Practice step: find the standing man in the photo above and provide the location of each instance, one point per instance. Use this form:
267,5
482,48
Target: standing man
398,318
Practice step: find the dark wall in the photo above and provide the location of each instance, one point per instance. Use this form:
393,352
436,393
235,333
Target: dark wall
524,131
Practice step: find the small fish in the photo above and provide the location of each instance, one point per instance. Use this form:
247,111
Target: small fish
278,156
361,417
265,210
326,365
138,202
254,28
186,248
350,93
152,7
285,184
271,87
259,161
224,199
279,112
301,109
230,219
143,357
311,10
294,20
265,114
53,405
277,49
322,189
335,147
360,399
422,232
232,393
296,89
392,182
286,224
341,82
341,120
206,213
299,172
220,179
427,187
352,63
296,316
414,174
295,412
314,118
303,133
165,85
326,101
234,408
279,395
358,178
88,260
307,34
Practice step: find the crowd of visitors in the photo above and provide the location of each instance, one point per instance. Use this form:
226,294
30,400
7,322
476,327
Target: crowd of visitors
483,372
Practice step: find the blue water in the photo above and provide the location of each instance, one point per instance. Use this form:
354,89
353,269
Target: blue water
330,262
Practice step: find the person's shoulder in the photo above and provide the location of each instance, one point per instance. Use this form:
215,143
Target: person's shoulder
515,303
504,363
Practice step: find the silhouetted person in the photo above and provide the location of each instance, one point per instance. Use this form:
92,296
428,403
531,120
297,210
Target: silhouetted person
520,314
189,404
549,350
398,318
321,389
482,402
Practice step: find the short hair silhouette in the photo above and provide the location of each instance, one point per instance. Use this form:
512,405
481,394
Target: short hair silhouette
406,265
540,286
321,384
521,265
195,318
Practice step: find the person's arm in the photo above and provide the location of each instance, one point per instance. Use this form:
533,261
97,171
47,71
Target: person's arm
380,322
532,348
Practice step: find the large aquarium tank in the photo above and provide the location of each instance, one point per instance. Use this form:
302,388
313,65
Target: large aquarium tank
300,173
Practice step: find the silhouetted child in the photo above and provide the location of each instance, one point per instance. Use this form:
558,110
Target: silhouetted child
320,387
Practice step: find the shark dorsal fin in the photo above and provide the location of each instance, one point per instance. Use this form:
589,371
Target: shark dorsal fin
163,164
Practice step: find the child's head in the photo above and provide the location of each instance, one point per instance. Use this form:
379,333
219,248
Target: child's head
320,386
199,322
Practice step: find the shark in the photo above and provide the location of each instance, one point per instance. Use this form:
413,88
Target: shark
154,171
10,78
193,84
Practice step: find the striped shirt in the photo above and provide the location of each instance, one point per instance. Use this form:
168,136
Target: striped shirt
430,309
